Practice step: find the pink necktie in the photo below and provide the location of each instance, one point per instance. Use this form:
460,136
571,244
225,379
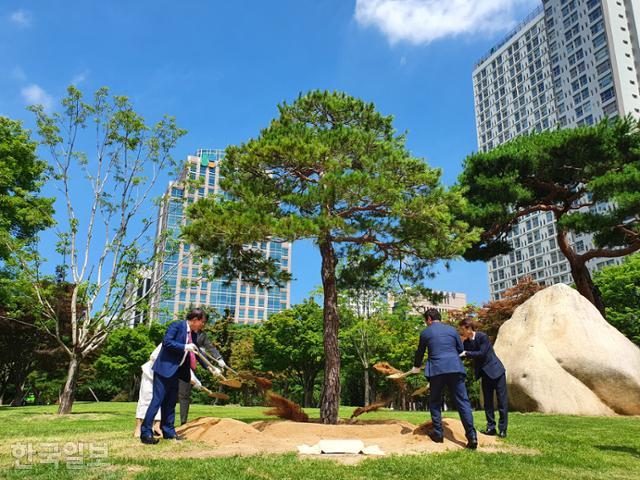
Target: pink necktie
192,356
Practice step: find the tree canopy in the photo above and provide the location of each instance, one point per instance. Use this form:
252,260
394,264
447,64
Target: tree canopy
588,177
291,341
22,212
332,169
620,289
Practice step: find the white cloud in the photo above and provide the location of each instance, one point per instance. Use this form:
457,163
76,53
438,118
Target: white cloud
423,21
34,94
21,18
79,78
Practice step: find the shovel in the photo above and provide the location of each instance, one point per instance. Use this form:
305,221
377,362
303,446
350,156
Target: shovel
396,376
231,383
209,358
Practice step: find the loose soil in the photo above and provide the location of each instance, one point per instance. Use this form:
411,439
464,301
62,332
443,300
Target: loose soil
232,437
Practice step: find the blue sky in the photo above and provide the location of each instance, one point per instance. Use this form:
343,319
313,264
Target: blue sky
221,67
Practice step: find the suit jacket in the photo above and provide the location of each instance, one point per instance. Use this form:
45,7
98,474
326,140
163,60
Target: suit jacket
203,342
444,347
171,358
484,357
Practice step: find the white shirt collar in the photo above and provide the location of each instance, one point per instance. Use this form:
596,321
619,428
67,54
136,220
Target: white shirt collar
473,336
188,327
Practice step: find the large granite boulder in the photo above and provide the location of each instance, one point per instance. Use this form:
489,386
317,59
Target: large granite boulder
561,356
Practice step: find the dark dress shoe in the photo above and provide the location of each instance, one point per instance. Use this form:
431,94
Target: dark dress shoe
488,431
436,438
472,443
148,440
176,437
502,434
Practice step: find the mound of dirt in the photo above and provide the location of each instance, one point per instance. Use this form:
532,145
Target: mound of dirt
232,437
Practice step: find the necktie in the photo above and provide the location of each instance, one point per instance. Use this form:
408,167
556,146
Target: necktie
192,356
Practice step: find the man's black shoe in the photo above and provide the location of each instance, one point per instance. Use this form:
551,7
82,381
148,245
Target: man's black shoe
472,440
502,434
436,438
472,443
148,440
488,431
177,437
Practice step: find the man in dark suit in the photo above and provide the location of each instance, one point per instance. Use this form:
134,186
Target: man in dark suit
444,368
490,369
184,388
175,361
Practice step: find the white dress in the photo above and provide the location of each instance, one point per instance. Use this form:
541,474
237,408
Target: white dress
146,385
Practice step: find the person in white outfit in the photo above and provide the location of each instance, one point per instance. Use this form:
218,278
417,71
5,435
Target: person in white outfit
146,393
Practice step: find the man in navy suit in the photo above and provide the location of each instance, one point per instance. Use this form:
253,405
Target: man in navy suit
487,366
444,368
176,359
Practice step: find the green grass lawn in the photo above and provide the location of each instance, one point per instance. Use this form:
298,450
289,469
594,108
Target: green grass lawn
567,448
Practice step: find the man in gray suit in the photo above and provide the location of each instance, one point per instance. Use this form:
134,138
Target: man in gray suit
184,388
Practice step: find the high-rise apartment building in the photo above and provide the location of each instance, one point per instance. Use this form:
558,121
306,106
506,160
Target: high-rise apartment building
569,63
184,283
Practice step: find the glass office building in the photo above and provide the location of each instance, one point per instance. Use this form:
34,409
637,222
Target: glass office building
185,284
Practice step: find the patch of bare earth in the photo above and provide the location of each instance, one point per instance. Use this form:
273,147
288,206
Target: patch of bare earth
225,437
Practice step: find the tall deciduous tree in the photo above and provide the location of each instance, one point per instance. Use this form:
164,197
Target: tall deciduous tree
566,172
620,287
108,190
332,169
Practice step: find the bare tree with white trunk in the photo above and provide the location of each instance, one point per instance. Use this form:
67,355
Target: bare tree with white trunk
106,227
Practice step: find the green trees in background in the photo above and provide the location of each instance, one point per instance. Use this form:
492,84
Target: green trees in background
620,289
587,179
23,213
332,169
291,342
117,368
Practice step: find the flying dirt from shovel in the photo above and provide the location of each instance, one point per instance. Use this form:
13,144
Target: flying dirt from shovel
261,382
285,409
369,408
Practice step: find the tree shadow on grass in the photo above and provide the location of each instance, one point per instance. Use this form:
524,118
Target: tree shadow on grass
634,452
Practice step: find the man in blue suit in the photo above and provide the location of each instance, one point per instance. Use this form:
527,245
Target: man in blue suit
487,366
444,368
176,359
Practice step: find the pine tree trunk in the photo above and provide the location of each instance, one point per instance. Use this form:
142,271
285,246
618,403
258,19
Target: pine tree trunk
580,273
330,401
586,287
69,392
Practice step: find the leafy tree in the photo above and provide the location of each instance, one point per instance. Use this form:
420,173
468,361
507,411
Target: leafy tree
363,297
565,172
19,337
332,169
121,357
119,176
222,332
620,288
22,212
291,341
